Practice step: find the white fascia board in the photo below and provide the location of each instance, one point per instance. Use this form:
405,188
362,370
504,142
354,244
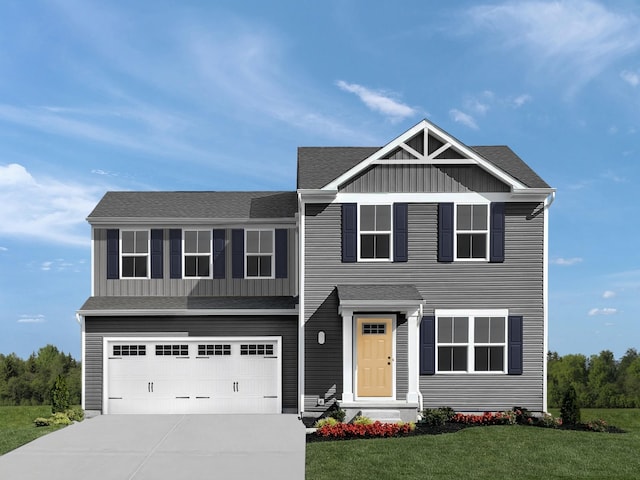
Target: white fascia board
184,312
534,193
469,197
425,124
349,306
119,221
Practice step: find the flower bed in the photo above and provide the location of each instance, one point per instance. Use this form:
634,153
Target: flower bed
375,429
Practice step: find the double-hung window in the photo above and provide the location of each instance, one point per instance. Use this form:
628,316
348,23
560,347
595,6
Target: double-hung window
474,343
197,253
135,253
375,232
472,232
259,253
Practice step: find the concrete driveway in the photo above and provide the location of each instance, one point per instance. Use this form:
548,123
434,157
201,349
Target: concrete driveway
157,447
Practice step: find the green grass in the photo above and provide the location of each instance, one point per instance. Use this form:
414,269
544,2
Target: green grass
17,428
487,452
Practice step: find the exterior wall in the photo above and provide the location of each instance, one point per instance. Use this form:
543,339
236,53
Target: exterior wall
98,327
516,284
424,178
191,287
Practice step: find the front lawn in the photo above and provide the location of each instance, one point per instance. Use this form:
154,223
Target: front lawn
487,452
17,428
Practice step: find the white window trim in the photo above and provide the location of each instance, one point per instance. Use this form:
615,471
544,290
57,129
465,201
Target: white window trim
487,232
273,253
377,232
184,254
148,254
470,344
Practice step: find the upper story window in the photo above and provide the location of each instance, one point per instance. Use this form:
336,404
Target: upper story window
473,343
197,253
375,232
472,232
259,253
135,253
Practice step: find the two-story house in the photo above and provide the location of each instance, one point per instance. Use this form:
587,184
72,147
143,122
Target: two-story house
395,278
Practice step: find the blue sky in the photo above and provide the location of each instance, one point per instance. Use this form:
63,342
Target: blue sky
98,96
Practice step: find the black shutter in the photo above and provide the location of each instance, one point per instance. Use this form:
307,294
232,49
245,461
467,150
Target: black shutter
156,253
281,253
349,232
428,345
237,253
515,345
445,232
113,260
400,232
219,253
496,241
175,253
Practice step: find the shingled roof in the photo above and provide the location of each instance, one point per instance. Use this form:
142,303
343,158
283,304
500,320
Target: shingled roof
196,205
317,166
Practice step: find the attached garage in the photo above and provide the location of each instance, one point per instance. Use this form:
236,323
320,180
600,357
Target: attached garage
207,375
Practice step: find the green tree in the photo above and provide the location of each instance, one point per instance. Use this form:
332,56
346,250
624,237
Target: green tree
562,372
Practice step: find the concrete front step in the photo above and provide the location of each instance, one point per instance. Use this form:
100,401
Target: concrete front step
382,416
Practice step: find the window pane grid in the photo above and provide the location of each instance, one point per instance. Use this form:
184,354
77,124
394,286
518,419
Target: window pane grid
215,349
472,230
135,253
256,349
129,350
259,253
172,350
375,231
197,253
471,344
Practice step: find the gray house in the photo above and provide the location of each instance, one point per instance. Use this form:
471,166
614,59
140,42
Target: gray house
394,279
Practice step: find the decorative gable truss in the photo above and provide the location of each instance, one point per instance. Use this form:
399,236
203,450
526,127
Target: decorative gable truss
425,144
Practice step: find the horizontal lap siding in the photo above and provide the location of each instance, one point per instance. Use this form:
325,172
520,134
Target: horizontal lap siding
424,178
99,327
515,284
185,287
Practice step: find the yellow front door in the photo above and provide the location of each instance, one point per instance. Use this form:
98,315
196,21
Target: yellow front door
374,338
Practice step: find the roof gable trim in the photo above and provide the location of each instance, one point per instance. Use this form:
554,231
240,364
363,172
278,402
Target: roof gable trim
435,145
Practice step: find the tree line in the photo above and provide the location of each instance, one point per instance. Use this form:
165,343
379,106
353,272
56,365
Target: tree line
30,381
600,381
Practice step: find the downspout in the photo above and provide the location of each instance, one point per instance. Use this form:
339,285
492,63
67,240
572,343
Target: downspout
545,295
80,320
420,399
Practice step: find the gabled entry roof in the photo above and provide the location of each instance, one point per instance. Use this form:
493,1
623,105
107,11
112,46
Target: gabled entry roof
329,167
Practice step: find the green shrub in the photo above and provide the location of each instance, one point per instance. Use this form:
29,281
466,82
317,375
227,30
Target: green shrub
337,413
42,422
60,418
437,416
60,395
75,414
362,420
325,421
569,410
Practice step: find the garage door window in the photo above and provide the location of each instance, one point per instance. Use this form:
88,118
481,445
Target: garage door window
174,350
256,349
214,349
129,350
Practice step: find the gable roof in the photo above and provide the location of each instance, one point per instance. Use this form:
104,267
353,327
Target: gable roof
195,205
319,167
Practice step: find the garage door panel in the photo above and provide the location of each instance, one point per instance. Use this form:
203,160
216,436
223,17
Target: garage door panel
194,376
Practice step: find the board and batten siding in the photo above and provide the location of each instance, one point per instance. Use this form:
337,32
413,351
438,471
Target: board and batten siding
424,178
96,328
172,287
516,284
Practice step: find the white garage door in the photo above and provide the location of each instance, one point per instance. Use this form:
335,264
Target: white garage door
187,375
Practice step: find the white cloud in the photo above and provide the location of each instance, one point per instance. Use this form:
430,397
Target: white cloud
4,249
32,318
566,262
520,100
44,208
602,311
609,294
378,101
632,78
575,39
463,118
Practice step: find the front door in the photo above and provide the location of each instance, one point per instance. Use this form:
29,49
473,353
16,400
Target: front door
374,346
